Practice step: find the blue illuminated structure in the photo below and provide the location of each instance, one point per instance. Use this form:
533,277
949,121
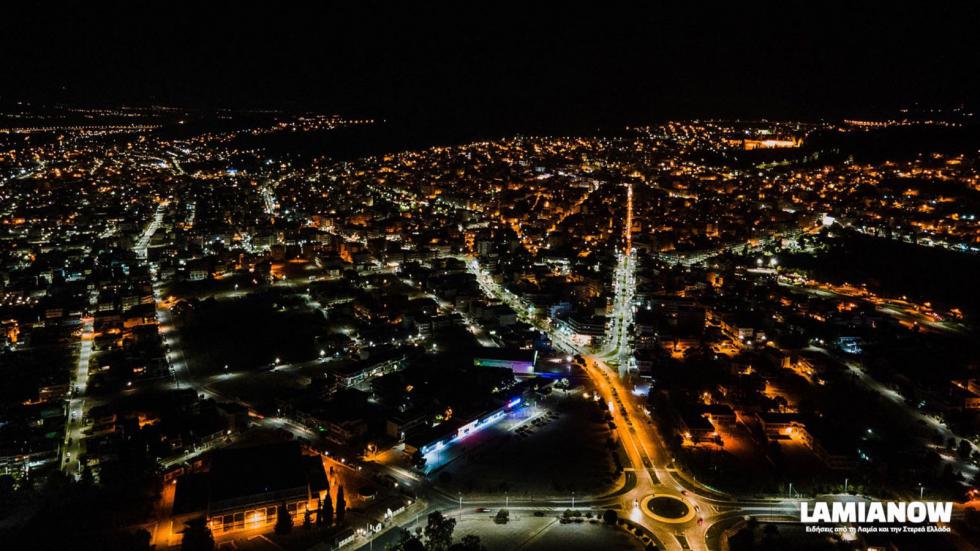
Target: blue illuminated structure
453,434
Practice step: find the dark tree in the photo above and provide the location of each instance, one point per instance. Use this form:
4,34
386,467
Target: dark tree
609,516
197,536
308,519
743,540
409,542
439,532
284,521
325,516
502,517
341,506
469,542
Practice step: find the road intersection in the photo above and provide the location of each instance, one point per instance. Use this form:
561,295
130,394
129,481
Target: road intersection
651,472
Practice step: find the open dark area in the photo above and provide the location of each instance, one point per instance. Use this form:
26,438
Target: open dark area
893,268
226,332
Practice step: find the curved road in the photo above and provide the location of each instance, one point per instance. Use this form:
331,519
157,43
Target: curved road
649,462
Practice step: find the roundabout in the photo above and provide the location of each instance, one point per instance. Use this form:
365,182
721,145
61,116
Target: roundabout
667,509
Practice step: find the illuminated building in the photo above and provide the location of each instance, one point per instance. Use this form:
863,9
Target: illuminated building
433,439
244,487
519,361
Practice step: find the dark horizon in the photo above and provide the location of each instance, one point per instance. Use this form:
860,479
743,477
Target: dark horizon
519,70
465,277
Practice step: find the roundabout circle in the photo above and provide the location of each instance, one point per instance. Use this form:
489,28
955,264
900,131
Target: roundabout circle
667,508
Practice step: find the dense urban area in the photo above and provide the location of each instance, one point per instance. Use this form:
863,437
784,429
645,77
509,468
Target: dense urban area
219,331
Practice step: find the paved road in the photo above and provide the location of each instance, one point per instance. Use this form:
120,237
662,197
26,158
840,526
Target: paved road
76,404
74,437
653,468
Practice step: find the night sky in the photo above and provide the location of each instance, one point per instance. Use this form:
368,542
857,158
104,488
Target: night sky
492,65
